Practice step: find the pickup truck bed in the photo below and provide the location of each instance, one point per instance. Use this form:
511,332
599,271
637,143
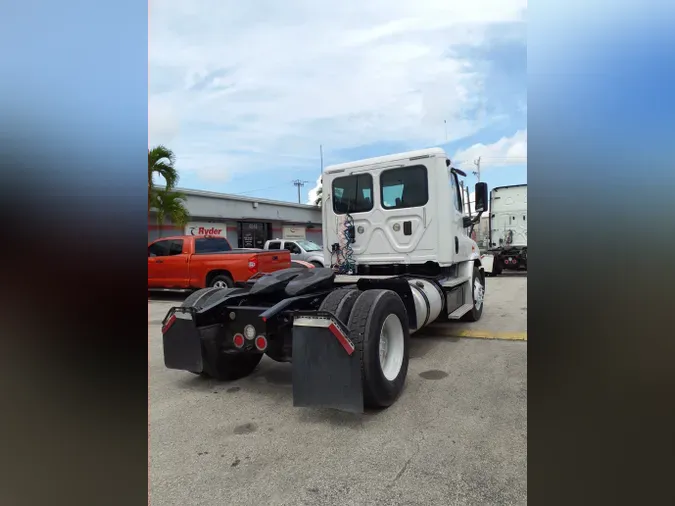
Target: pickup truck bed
192,262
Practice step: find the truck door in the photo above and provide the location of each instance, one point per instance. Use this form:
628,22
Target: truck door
461,242
168,265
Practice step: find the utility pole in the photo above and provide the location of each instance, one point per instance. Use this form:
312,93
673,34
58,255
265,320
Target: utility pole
468,201
445,123
477,172
300,183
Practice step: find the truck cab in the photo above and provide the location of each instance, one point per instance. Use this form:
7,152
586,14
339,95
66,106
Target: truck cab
395,238
401,211
508,229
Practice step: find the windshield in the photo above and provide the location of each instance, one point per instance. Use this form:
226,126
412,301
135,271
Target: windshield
309,246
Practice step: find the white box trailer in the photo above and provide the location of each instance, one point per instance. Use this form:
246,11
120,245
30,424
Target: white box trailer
507,247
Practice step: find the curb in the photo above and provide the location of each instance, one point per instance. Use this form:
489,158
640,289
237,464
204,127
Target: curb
478,334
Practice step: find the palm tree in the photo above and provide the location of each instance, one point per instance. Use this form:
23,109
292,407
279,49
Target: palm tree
319,192
161,162
172,205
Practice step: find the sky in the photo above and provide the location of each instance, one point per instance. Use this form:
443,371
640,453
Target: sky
245,93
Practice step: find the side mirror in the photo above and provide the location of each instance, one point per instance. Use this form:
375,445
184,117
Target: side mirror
466,222
481,197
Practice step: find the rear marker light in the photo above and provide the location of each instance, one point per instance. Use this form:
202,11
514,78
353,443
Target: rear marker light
261,343
238,340
326,323
346,343
168,324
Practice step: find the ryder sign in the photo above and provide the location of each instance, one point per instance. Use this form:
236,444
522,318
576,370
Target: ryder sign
207,229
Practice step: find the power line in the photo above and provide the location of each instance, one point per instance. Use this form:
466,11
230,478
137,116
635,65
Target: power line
300,183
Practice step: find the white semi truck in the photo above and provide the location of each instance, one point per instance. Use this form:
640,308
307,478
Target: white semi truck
394,235
507,246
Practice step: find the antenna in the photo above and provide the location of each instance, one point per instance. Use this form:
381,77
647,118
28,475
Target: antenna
321,153
300,183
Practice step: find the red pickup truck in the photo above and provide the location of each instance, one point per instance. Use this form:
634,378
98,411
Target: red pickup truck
191,262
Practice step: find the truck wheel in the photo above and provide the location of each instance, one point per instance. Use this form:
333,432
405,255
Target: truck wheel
477,296
221,281
340,303
317,265
378,325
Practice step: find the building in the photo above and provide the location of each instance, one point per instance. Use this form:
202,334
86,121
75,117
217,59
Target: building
247,222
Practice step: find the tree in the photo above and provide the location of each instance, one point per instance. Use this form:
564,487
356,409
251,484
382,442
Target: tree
161,161
319,192
172,205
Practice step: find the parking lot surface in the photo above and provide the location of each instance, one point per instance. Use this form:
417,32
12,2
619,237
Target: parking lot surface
457,434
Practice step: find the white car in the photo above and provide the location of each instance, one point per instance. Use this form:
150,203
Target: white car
301,249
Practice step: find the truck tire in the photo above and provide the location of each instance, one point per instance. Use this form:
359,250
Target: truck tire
378,326
340,303
477,296
221,367
317,265
221,281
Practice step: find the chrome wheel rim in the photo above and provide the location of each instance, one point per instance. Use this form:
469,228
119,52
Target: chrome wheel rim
478,293
392,344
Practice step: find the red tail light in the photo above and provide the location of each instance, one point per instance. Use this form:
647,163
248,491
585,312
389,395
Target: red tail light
261,343
253,264
238,340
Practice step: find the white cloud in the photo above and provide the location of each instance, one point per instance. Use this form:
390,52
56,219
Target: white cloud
313,193
276,79
163,124
506,151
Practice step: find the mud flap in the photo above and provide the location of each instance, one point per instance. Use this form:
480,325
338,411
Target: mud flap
182,344
326,367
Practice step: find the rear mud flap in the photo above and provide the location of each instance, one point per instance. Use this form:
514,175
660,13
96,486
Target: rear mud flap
326,368
182,344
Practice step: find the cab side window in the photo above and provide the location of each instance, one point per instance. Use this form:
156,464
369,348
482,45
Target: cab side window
456,198
176,247
159,249
292,247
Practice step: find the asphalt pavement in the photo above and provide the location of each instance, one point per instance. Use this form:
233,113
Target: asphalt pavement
457,434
